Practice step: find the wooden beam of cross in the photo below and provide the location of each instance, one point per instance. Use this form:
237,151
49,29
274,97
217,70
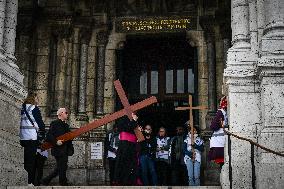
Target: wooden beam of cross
191,108
100,122
127,108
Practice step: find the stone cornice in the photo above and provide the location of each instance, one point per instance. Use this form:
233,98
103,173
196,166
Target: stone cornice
239,72
271,66
11,87
272,61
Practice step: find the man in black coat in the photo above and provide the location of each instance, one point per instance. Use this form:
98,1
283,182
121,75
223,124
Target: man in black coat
61,149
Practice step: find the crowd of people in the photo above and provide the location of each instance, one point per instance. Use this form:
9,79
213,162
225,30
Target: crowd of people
159,159
153,160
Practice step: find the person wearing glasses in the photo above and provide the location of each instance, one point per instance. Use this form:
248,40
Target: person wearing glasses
61,149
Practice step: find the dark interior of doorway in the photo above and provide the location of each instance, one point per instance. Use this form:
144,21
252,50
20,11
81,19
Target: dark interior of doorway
161,48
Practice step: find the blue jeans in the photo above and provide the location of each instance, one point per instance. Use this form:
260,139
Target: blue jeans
148,164
193,170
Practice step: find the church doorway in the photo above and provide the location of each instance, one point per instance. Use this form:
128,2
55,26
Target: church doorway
164,66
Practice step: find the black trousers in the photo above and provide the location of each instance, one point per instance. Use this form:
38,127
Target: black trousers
163,173
30,147
179,175
39,168
111,162
61,168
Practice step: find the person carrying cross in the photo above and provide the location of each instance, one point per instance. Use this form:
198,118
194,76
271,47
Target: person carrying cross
126,167
61,150
192,158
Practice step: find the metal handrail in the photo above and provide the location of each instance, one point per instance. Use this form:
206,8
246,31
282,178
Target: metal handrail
252,155
254,143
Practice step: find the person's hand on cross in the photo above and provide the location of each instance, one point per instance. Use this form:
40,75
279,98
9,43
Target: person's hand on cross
134,116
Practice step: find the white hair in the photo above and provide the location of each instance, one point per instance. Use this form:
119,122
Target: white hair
60,110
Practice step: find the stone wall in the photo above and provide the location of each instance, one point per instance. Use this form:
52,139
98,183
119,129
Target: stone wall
12,92
255,73
68,53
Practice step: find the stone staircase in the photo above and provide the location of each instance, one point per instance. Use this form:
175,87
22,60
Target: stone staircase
115,187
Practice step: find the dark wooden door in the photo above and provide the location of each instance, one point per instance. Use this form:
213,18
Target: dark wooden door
160,65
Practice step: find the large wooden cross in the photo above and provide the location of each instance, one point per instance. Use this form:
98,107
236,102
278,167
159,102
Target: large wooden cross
191,108
128,109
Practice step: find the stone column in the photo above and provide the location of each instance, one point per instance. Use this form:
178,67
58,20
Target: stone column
101,41
240,23
253,26
63,33
115,42
211,60
271,67
243,95
226,46
75,66
11,95
41,65
2,22
10,31
85,38
208,25
226,33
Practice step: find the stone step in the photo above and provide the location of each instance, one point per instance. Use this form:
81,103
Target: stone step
115,187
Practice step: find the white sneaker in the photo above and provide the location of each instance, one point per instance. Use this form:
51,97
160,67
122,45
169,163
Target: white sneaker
31,185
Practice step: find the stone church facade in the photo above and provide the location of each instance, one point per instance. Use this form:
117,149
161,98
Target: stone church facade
70,52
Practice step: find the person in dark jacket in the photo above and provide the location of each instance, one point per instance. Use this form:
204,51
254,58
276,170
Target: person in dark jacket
147,157
176,157
61,149
32,131
126,165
